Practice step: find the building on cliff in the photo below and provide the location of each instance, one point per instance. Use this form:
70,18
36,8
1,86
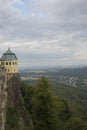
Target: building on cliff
13,113
9,61
8,67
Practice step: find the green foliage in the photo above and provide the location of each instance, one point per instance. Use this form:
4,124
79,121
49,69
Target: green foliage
27,128
27,93
50,112
44,111
62,109
75,97
12,117
75,124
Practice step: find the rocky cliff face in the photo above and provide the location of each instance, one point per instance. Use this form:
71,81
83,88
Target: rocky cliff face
3,98
13,114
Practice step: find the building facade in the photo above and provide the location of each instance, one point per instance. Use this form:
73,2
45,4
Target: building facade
9,61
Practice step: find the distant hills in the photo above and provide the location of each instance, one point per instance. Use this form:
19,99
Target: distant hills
75,77
51,67
70,84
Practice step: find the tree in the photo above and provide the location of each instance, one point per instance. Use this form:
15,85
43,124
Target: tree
48,111
75,123
45,114
27,93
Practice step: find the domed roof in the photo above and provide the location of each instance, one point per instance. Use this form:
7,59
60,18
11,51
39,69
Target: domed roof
9,55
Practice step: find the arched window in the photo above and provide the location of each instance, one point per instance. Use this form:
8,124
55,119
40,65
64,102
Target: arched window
6,63
9,63
2,63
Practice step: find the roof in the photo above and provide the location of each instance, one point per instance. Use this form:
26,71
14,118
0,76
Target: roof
9,55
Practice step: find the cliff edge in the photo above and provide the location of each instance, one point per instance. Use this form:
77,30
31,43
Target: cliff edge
13,113
3,98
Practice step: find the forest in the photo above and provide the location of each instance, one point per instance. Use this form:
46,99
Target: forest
55,105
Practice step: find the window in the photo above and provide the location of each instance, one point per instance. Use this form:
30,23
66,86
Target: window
2,63
9,63
15,63
6,63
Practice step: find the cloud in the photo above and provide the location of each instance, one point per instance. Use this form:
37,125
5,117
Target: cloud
48,32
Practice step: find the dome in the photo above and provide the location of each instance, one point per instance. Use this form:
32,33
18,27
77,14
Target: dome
9,56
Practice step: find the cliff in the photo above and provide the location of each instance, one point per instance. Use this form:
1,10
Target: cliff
13,113
3,98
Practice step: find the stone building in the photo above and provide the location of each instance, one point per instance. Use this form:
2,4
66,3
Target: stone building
9,61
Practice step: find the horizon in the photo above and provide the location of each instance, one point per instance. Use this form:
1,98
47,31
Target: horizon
46,32
51,67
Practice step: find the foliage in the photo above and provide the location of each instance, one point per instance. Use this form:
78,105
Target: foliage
44,112
47,103
12,117
48,110
75,97
27,93
75,124
71,86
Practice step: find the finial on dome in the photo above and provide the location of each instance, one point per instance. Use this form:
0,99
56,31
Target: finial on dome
8,48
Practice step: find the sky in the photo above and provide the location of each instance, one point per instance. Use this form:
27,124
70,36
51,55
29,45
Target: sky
45,32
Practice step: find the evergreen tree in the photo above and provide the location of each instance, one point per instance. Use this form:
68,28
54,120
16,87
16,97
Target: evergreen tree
45,114
75,123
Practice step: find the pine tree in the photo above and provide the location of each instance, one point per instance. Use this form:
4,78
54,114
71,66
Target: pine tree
45,114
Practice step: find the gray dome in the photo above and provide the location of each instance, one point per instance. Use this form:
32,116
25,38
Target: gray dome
8,55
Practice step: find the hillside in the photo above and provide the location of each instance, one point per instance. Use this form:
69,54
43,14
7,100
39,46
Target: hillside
70,104
76,77
43,104
75,97
70,84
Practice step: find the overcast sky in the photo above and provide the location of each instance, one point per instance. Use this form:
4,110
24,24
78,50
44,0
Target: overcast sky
45,32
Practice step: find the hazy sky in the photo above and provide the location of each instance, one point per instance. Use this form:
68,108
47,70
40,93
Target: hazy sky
45,32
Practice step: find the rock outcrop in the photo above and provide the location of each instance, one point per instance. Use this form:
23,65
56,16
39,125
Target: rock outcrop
13,113
16,104
3,98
